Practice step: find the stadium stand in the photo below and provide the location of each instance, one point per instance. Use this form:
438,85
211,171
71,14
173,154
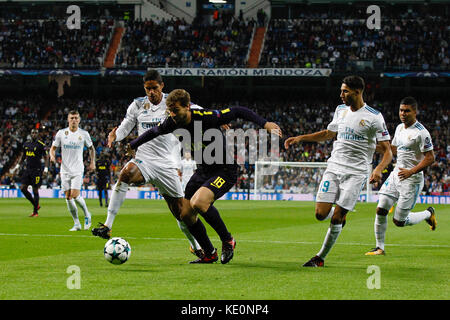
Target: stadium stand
99,116
50,44
176,43
401,44
314,37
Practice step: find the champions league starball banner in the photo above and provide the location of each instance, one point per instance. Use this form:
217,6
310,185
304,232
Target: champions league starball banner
154,195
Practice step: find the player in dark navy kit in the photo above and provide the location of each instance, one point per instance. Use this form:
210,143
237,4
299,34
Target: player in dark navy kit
33,151
103,178
211,181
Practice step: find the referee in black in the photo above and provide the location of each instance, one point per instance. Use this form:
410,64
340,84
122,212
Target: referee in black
33,151
103,178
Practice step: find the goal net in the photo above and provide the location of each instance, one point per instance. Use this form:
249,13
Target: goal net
292,181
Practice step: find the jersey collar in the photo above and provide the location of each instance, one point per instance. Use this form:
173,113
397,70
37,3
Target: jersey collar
154,107
411,126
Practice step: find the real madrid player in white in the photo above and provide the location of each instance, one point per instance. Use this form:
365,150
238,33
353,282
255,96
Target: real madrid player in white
72,141
188,167
357,129
414,150
155,162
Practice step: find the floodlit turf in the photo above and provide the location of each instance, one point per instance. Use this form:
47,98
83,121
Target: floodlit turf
273,240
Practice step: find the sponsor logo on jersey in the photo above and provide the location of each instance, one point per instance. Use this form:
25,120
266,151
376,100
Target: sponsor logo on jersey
149,125
350,134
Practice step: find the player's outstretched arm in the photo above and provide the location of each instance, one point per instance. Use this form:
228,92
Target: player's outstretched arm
233,113
167,126
272,127
312,137
385,149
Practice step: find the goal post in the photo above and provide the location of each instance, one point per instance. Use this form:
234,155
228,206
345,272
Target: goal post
292,180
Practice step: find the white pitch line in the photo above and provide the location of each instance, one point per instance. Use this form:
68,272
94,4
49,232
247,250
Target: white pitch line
240,240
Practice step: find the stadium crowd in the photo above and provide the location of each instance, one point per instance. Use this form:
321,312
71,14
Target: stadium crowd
50,44
319,38
401,44
175,43
100,116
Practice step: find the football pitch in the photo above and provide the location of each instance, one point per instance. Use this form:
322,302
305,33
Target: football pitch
38,256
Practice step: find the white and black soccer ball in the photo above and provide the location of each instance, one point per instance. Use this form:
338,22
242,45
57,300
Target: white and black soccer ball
117,250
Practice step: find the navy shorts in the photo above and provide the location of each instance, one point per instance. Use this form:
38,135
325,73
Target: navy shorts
102,184
31,178
219,181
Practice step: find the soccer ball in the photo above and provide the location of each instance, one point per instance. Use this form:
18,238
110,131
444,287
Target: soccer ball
117,250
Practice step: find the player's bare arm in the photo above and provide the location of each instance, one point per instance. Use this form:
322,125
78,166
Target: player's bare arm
92,158
112,137
379,149
427,161
319,136
53,154
385,149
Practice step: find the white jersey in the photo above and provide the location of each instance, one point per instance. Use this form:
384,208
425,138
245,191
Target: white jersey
187,168
357,136
411,143
145,115
72,145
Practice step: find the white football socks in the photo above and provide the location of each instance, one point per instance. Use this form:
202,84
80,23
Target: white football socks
73,210
183,227
117,197
332,234
83,206
416,217
380,227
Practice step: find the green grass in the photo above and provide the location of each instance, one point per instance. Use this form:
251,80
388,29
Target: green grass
273,240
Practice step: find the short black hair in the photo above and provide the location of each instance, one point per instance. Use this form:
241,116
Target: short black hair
409,101
354,82
152,75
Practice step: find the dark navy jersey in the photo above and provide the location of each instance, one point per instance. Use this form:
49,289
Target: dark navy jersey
102,167
33,152
206,119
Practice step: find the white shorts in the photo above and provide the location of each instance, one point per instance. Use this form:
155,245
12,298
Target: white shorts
165,179
341,189
405,192
71,181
